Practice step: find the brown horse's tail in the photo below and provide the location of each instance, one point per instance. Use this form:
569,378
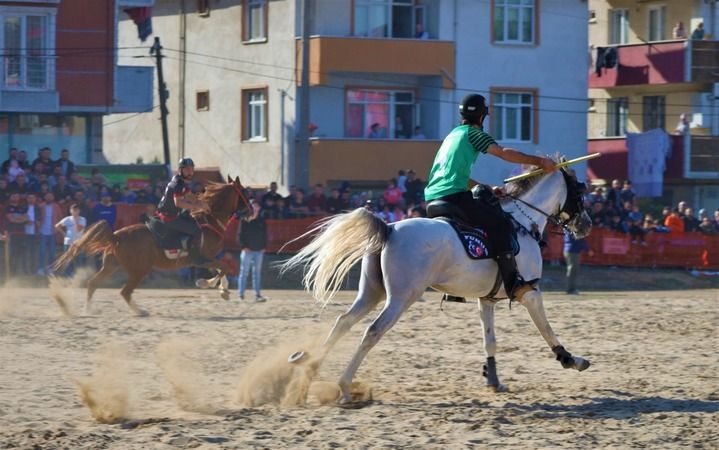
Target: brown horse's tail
96,239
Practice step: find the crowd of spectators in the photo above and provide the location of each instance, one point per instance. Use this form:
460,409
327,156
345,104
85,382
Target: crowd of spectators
402,197
616,209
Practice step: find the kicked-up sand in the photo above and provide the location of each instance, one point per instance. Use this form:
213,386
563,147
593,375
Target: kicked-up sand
201,372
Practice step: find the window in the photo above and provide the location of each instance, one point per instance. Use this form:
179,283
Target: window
619,26
202,100
26,42
512,116
254,103
393,111
657,20
653,112
514,21
254,21
203,7
387,18
617,116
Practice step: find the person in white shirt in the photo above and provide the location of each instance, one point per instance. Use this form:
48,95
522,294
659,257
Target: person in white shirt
72,228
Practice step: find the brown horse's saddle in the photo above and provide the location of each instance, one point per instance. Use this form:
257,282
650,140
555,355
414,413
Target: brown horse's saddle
174,243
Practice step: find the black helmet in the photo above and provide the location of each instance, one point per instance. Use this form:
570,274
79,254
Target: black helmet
473,106
185,162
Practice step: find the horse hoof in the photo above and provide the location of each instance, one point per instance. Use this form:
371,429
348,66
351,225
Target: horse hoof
141,313
202,283
225,295
582,364
498,388
295,357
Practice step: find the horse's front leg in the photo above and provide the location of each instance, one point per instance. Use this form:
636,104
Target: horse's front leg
533,302
489,371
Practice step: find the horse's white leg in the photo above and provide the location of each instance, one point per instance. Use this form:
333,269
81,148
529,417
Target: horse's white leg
204,283
224,285
371,291
533,302
490,345
393,309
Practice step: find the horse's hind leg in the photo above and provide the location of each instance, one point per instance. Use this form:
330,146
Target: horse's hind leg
393,309
371,291
133,280
490,345
109,266
533,302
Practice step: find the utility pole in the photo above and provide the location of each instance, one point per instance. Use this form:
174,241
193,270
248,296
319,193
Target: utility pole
303,144
162,93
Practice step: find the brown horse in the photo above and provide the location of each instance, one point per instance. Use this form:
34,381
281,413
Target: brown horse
134,249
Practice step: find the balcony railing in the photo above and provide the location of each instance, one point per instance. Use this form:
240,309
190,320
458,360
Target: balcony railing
330,54
661,63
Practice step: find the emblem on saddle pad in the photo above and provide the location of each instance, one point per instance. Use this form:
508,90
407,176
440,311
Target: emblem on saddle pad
475,240
175,253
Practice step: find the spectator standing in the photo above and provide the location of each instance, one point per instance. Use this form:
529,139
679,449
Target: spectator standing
43,158
105,210
14,170
50,212
15,219
573,249
62,191
22,160
674,222
698,33
12,156
4,191
253,240
32,235
614,200
317,203
707,227
271,194
297,205
66,166
375,131
678,32
72,227
335,205
418,134
627,194
402,181
414,188
392,194
691,223
20,184
683,125
419,32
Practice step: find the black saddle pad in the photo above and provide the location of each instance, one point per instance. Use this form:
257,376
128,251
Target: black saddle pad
476,242
167,238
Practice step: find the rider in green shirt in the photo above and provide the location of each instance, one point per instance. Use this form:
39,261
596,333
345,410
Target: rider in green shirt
449,182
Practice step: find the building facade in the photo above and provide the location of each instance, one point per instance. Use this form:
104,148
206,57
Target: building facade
233,69
660,74
60,75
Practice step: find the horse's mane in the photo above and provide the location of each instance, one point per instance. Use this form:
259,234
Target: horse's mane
521,187
211,189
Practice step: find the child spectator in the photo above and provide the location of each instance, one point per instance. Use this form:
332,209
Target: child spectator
72,227
673,222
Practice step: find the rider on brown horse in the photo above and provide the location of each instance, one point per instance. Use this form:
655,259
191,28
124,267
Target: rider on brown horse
176,206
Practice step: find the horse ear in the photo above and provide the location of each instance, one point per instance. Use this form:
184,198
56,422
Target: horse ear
229,180
237,181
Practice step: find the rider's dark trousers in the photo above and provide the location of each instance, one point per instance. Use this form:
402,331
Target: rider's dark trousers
482,214
185,225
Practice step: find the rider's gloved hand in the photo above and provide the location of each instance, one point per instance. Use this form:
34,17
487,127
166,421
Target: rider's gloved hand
547,165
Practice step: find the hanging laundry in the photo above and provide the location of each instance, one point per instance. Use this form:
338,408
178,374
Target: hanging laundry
142,16
646,161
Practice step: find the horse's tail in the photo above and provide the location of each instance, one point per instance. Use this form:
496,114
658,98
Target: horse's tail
96,239
342,240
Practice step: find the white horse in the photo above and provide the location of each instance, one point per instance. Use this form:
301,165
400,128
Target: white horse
401,260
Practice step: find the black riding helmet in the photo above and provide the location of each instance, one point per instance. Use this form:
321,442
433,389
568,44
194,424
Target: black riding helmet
473,107
185,162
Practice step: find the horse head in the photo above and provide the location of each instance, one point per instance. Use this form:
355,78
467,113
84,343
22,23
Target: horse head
227,199
572,214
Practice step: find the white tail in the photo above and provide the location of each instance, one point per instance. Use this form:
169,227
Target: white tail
342,240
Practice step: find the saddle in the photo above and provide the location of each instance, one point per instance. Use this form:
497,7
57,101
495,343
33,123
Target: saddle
174,243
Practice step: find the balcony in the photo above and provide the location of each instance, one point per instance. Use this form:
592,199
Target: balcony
660,63
133,89
29,101
368,159
330,54
692,157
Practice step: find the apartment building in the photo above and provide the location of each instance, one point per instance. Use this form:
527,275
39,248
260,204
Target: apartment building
233,70
660,74
60,75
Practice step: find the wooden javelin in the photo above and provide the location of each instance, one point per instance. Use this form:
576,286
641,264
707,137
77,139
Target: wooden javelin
558,166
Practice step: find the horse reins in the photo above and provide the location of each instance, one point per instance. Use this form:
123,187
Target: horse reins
552,218
223,226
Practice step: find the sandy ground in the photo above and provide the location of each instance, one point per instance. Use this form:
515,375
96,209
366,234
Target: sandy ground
176,379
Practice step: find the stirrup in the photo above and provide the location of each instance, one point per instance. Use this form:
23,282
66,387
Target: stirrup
452,298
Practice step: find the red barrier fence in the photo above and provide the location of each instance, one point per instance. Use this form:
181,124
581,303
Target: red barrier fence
686,250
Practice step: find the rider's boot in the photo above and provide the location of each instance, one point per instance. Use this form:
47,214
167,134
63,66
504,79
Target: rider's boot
514,284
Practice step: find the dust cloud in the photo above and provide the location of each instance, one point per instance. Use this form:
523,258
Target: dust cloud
106,392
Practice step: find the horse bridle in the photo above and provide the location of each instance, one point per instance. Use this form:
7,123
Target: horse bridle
235,211
574,200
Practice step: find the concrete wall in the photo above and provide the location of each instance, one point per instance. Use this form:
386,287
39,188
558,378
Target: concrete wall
217,60
555,67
